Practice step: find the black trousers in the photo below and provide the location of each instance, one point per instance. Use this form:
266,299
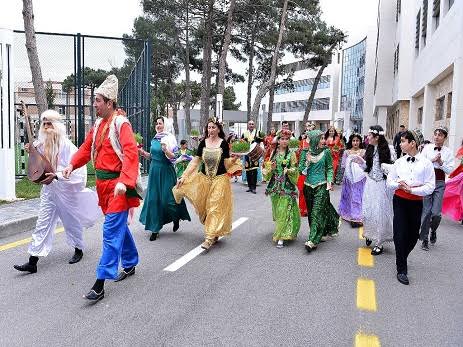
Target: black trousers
251,176
407,222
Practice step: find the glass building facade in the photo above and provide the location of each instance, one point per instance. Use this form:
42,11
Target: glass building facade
353,82
305,85
300,105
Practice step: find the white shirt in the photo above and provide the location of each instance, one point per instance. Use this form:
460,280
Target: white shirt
418,174
446,155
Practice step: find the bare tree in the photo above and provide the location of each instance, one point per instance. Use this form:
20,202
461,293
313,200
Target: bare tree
226,45
31,46
264,88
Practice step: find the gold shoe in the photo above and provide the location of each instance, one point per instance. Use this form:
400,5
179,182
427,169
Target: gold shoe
207,244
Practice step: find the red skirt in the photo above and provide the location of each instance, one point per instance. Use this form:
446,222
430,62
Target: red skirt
300,187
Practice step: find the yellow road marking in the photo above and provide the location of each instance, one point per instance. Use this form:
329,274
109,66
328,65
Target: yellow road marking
366,295
24,241
363,340
365,258
361,233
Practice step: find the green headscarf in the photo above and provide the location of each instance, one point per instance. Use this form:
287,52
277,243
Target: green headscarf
314,138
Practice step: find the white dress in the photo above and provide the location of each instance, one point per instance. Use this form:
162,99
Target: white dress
67,200
377,205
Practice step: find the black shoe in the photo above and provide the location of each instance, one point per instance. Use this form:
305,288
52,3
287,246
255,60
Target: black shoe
76,257
94,296
253,191
402,278
248,191
424,245
124,274
153,236
26,268
368,242
433,237
176,226
377,250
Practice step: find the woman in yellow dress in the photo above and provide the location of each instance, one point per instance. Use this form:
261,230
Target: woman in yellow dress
209,190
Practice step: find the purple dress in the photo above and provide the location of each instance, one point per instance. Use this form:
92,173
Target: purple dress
353,183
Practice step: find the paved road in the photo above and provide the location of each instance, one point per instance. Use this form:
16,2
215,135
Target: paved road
244,292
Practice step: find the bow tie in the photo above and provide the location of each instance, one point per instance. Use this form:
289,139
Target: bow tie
437,148
412,159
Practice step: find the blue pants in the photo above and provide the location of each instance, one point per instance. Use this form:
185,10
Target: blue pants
117,244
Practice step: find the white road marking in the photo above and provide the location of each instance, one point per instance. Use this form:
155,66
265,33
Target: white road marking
198,250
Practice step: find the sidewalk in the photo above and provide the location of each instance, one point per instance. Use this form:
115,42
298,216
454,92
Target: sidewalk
20,216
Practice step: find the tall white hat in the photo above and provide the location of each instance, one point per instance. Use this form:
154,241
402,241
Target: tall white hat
51,116
109,88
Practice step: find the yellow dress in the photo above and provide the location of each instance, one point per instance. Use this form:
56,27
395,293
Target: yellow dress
209,190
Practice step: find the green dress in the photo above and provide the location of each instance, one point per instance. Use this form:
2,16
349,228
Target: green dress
159,205
181,166
283,194
323,218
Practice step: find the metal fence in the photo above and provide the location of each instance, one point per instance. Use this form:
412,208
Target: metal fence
73,65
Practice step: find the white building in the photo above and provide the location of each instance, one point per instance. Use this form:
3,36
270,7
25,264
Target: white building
419,66
290,104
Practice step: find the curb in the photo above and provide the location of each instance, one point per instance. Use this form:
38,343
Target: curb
17,226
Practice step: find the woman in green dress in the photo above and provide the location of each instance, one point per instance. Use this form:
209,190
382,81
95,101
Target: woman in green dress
282,173
159,207
183,158
317,163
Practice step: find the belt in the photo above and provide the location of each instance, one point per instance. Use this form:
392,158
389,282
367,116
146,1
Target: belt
408,196
440,174
104,175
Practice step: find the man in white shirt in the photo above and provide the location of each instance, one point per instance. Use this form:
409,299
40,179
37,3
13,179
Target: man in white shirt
412,177
443,161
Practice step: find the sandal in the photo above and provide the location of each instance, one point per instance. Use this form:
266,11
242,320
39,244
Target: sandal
368,242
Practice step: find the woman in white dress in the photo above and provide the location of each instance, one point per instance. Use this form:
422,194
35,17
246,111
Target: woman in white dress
377,198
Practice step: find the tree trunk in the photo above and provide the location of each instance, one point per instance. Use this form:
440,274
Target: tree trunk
270,107
312,94
271,81
224,52
31,46
206,77
187,73
250,76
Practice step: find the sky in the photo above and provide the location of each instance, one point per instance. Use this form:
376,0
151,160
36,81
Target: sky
115,18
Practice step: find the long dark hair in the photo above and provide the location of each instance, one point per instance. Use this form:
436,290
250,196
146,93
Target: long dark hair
351,138
327,134
218,125
383,149
275,151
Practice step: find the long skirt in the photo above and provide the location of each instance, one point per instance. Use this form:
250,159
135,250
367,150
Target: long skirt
377,212
159,206
452,204
212,199
300,187
285,213
323,218
350,206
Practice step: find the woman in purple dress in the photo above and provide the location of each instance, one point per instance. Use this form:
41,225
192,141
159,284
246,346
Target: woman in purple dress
353,182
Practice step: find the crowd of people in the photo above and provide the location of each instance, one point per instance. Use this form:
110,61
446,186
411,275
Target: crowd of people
396,193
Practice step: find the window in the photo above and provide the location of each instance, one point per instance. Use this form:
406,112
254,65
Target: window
440,108
396,60
449,105
420,115
436,13
398,8
417,32
424,25
300,105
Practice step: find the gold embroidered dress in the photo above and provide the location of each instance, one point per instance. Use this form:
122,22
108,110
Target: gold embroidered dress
209,190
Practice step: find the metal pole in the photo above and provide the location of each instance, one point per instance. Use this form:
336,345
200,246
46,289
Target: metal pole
81,124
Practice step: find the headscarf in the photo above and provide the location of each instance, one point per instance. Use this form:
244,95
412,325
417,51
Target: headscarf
418,137
314,139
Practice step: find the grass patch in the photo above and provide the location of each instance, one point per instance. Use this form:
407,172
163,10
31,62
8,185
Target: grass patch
26,189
